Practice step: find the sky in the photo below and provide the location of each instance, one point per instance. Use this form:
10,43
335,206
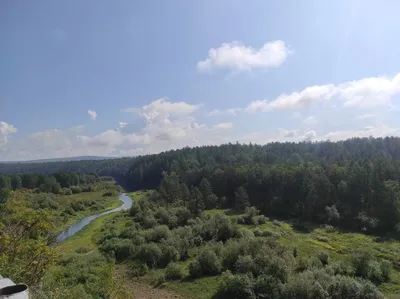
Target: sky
127,78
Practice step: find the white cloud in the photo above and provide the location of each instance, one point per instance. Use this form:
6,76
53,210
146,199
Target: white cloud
309,135
92,114
163,108
223,126
365,116
122,124
238,57
364,93
381,130
5,130
230,111
310,120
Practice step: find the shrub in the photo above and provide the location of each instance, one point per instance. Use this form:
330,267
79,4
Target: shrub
149,221
267,233
245,233
258,220
149,254
323,257
329,228
157,234
174,271
267,286
139,268
277,222
109,193
209,262
348,287
386,269
169,254
235,287
195,269
244,264
158,278
342,268
76,189
82,250
322,239
67,191
124,251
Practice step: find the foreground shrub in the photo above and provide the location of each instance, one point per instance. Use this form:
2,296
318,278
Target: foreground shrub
158,278
149,254
169,254
323,257
267,286
174,271
244,264
235,287
195,270
157,234
209,262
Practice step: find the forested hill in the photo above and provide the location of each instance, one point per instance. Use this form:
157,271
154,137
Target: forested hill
116,168
352,183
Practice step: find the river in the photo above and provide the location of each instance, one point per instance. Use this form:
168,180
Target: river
76,227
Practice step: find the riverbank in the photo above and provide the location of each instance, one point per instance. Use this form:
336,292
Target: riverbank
96,203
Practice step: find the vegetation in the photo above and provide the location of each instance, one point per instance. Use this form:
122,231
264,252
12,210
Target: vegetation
205,227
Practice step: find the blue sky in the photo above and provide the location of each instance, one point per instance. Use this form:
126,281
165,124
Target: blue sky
121,78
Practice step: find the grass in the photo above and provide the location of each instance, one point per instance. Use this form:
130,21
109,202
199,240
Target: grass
102,204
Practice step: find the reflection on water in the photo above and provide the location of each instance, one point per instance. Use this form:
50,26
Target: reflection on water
76,227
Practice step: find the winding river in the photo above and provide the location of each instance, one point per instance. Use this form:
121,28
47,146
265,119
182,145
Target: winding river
76,227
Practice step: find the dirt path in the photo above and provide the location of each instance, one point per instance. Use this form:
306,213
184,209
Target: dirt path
131,288
145,291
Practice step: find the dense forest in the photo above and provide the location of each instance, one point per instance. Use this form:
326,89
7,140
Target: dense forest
352,183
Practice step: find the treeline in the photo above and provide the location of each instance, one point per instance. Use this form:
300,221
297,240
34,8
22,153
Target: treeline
353,184
116,168
57,183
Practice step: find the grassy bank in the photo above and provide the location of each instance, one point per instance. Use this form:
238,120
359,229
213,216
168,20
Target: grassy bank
78,206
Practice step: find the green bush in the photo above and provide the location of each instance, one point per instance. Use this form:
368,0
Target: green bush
386,269
75,189
139,268
267,286
169,254
157,234
149,254
322,239
267,233
195,269
124,251
82,250
209,262
258,220
174,271
244,264
149,221
323,257
158,278
235,287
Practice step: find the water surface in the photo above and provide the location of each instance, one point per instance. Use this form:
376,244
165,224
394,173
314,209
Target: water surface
76,227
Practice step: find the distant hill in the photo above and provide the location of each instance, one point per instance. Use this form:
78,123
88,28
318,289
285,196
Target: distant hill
81,158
